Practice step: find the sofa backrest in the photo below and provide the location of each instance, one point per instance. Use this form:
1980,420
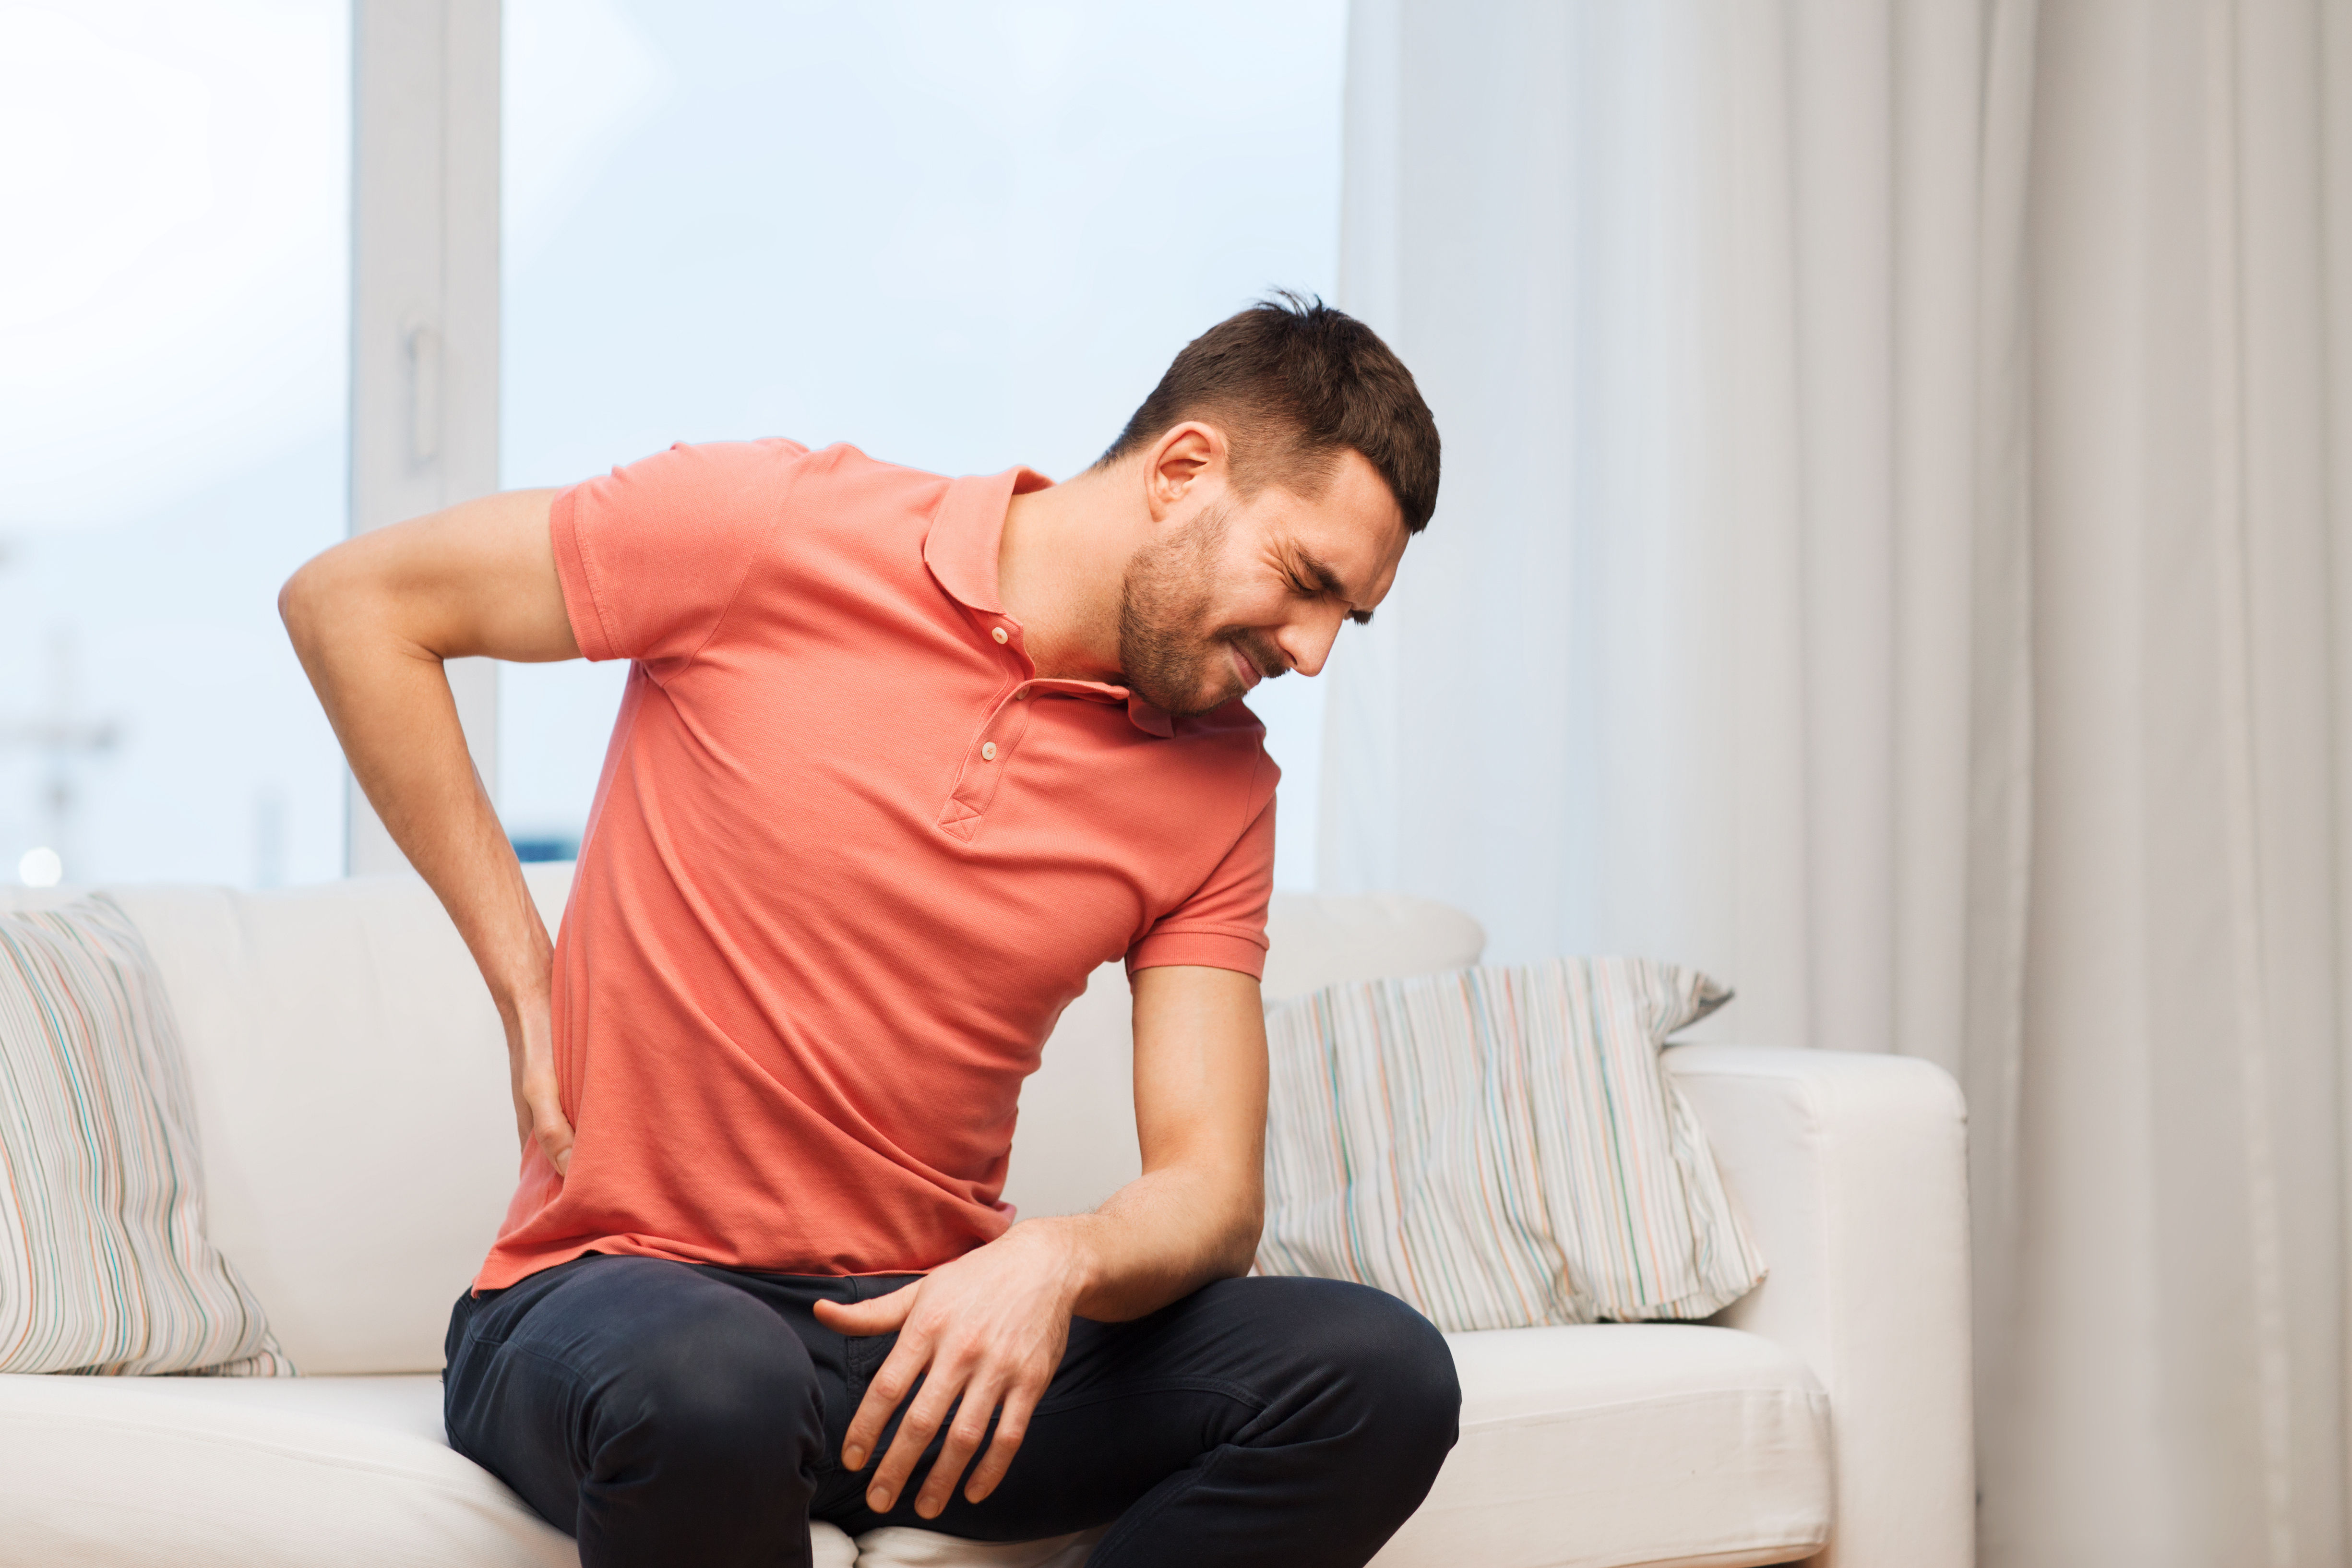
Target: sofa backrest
351,1082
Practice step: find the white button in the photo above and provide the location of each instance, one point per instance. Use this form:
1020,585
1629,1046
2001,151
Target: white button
1022,695
988,751
999,633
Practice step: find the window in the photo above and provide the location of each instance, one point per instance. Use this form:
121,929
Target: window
172,396
959,237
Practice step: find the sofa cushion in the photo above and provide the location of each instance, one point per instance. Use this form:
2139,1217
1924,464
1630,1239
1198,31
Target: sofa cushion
351,1082
1500,1147
105,1265
896,1546
350,1077
1581,1447
1314,940
1610,1445
346,1470
277,1473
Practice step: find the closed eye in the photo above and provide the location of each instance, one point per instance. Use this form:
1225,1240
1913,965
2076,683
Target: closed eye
1320,582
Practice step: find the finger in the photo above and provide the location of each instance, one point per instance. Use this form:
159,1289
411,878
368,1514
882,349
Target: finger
551,1131
882,1315
899,1370
1020,1403
925,1415
966,1428
525,1119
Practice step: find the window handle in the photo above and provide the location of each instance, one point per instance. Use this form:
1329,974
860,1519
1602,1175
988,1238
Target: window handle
421,341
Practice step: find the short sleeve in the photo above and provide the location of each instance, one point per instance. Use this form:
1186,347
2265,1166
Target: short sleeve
650,555
1222,925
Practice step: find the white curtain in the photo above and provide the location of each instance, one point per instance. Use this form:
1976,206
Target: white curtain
1895,552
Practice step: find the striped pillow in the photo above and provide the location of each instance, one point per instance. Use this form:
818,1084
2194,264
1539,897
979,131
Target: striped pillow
1501,1146
104,1265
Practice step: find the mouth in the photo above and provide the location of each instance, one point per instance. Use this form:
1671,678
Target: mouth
1244,667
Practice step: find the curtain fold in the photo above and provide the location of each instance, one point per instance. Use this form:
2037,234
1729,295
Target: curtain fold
1892,556
2181,1135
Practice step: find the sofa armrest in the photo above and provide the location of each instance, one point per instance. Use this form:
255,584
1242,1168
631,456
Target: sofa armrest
1852,1172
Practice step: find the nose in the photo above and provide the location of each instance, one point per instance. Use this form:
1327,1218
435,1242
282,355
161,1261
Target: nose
1307,643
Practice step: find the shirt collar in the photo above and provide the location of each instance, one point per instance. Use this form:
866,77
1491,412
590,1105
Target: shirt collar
961,551
960,547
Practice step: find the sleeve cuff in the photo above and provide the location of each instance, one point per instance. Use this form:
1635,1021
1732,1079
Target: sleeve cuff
580,604
1207,949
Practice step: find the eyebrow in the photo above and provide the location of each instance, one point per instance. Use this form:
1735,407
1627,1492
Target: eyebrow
1328,582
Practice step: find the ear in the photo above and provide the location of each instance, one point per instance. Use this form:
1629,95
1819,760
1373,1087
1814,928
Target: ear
1188,458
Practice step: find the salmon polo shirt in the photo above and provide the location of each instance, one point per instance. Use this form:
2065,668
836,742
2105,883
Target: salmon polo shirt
849,859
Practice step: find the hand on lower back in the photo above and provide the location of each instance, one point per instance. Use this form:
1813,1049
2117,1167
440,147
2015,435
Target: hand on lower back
989,1329
531,1063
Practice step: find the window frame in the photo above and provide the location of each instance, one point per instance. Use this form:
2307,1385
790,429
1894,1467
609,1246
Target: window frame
425,306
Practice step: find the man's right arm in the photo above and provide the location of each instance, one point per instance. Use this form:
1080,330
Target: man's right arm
373,620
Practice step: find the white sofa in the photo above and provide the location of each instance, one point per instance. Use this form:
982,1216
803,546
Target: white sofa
360,1149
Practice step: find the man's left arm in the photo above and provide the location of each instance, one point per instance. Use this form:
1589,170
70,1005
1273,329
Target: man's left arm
990,1328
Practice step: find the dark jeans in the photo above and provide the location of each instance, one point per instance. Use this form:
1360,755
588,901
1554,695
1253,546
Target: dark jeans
675,1413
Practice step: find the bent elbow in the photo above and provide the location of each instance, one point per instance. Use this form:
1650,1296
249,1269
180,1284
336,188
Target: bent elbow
302,606
293,602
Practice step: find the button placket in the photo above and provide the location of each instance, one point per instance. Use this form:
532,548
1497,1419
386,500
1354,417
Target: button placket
992,749
985,765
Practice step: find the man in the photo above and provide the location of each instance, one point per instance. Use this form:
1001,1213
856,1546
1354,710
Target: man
899,761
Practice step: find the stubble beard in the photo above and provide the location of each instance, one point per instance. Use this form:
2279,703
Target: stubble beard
1168,652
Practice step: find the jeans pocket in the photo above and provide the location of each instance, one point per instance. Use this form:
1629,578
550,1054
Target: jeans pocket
471,1324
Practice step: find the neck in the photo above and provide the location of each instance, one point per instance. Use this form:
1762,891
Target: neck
1060,566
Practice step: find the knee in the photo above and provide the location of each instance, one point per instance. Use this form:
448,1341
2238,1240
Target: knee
1396,1368
731,1394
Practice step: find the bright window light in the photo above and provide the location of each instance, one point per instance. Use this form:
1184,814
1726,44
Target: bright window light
172,345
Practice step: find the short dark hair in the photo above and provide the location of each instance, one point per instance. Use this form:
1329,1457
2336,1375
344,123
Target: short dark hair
1293,383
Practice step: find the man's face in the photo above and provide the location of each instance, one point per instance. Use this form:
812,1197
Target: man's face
1240,592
